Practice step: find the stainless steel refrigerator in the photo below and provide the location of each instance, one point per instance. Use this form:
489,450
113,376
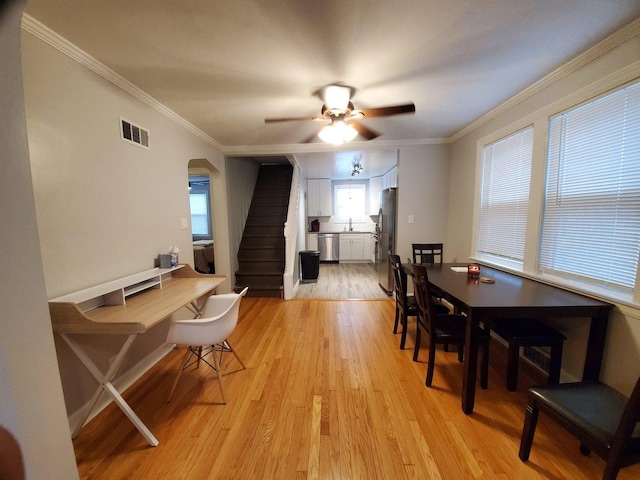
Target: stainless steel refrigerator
386,238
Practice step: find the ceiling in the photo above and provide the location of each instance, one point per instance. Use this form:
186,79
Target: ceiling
224,66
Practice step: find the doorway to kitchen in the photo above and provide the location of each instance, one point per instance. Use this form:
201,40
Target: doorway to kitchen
342,202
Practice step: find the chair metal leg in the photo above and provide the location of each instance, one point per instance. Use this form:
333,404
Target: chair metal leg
216,362
199,357
231,349
183,364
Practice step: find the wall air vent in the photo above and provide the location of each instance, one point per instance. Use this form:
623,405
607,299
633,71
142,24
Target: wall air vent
539,356
134,134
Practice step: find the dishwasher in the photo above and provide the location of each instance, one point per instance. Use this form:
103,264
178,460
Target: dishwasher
329,246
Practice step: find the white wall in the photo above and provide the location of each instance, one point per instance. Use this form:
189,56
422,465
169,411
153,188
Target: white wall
31,401
242,174
423,191
106,208
621,365
301,238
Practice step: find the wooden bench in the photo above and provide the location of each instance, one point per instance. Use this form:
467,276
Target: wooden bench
528,332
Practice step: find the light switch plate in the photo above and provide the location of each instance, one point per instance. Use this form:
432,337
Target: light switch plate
184,223
410,218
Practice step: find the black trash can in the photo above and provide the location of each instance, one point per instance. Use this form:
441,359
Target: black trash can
310,265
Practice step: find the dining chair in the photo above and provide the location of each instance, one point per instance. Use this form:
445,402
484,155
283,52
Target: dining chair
406,305
444,329
601,418
528,332
427,252
208,335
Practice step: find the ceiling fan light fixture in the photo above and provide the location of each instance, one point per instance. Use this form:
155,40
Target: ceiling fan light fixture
337,133
342,116
336,97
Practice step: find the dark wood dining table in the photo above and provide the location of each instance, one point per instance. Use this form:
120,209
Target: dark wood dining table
516,297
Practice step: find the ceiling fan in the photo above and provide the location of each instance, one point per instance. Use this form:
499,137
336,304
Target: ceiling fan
343,118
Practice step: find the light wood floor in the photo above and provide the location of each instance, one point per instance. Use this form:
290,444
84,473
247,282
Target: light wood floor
344,280
327,395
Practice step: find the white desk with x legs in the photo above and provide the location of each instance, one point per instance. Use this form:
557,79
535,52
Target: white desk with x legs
129,306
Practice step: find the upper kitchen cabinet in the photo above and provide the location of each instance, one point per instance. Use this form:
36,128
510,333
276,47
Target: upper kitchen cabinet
319,197
375,187
390,179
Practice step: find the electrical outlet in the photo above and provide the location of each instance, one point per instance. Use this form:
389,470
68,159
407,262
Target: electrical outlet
410,218
184,223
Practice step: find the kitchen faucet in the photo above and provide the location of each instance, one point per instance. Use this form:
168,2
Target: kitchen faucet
350,225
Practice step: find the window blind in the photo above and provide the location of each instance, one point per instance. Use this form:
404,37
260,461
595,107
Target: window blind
506,175
591,220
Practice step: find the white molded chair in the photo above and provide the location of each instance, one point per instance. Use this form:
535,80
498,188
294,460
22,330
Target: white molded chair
208,334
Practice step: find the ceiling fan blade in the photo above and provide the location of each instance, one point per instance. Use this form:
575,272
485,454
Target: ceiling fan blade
364,131
387,111
293,119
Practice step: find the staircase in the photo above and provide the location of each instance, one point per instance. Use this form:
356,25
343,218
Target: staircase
261,253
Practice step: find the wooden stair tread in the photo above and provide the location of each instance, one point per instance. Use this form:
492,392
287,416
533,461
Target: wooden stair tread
261,249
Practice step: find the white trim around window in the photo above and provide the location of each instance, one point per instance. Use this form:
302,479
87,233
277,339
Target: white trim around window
540,120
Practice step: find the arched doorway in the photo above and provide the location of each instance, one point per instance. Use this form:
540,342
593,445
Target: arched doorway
202,219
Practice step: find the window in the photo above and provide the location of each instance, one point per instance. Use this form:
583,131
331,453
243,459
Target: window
506,174
591,219
200,208
350,202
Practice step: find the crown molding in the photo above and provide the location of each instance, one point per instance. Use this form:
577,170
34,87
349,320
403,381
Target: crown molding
612,41
294,148
47,35
44,33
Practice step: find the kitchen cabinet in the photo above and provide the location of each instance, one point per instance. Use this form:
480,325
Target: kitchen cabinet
352,246
375,187
390,179
366,245
372,248
312,241
319,197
